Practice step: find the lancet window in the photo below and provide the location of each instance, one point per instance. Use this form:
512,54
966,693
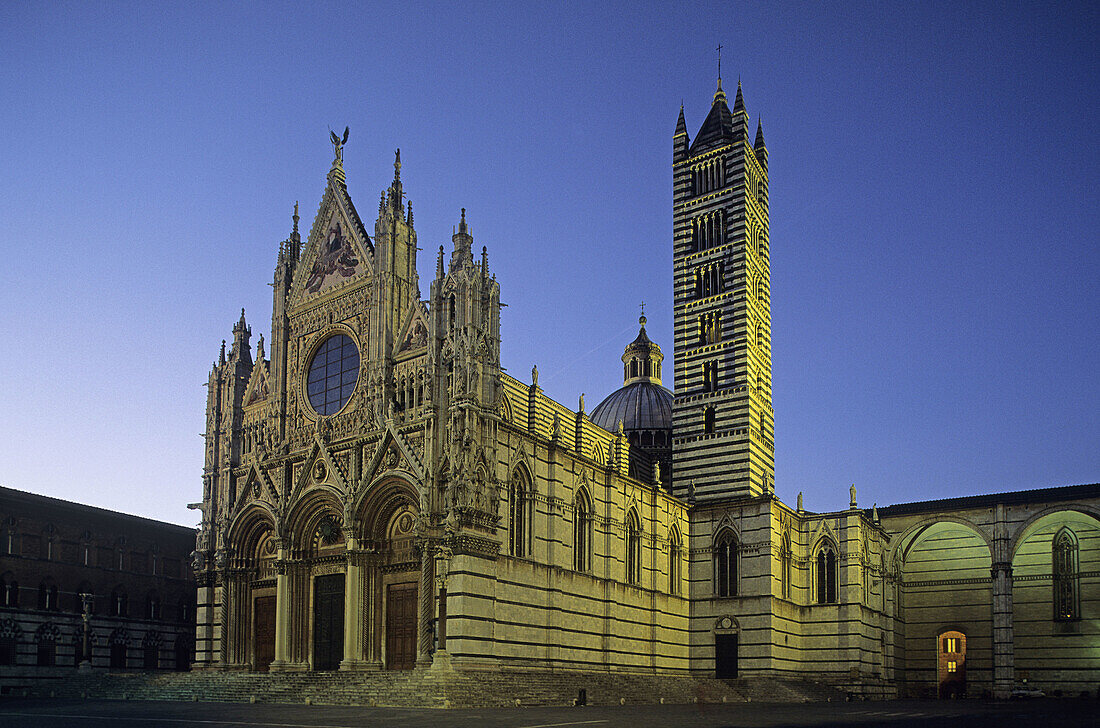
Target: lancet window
1067,579
725,565
826,574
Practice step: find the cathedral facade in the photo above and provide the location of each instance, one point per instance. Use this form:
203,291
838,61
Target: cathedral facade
379,495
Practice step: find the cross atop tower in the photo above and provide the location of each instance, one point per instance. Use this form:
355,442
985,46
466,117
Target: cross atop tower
719,49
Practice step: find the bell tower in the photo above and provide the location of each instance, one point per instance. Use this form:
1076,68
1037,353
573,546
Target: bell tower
723,422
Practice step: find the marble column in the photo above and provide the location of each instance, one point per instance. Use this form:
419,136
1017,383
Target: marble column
1004,672
353,609
282,611
425,599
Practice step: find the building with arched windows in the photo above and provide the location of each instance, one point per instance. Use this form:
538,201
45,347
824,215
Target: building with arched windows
379,494
131,575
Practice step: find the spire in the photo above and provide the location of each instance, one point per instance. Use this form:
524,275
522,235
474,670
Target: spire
462,241
410,216
439,264
738,101
397,168
294,232
221,357
720,95
680,138
759,134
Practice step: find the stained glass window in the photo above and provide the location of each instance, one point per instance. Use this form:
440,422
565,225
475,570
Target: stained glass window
333,374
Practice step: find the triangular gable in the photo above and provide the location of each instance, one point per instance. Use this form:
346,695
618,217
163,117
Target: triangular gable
320,468
824,530
257,487
414,330
338,252
393,452
258,389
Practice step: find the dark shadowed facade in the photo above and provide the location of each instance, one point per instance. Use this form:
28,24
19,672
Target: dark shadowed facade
137,572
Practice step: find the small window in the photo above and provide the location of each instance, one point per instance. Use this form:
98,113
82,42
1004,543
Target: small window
674,562
633,549
725,565
582,523
708,420
518,514
826,575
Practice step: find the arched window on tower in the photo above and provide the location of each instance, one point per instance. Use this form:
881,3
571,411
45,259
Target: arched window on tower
725,564
1067,578
708,420
633,548
119,604
826,574
582,525
518,515
9,591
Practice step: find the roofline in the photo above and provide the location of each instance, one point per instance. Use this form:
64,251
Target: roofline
35,498
1037,495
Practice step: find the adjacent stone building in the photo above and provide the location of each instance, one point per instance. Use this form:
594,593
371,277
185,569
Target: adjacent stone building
379,494
131,575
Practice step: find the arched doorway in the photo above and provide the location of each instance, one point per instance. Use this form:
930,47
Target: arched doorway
951,650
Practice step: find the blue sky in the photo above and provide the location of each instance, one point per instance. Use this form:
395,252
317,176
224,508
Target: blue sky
934,175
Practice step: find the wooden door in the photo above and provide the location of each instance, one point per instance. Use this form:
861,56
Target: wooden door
263,633
401,626
328,621
725,656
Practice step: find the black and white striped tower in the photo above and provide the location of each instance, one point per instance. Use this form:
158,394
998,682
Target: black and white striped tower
723,422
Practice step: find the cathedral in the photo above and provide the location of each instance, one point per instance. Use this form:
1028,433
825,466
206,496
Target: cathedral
378,494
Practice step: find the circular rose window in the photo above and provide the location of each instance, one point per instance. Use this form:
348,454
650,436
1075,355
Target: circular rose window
333,374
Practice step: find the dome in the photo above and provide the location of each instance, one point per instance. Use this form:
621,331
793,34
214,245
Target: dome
640,406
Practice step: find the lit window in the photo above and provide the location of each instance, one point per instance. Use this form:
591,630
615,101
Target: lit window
952,666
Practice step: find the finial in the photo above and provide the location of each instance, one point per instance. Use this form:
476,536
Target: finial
295,217
439,264
221,357
410,213
397,167
642,319
338,146
719,49
463,229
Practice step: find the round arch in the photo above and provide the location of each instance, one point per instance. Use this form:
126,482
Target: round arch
1032,524
307,512
375,506
248,527
900,544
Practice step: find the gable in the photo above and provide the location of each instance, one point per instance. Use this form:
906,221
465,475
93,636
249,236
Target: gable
414,331
338,252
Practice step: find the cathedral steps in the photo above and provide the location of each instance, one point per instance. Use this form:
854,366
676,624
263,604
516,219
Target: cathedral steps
431,689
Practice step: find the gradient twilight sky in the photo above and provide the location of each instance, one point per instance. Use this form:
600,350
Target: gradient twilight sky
934,185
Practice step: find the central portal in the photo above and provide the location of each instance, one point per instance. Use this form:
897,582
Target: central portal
401,626
328,621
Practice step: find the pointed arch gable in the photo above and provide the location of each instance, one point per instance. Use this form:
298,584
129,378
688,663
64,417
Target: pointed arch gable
334,474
